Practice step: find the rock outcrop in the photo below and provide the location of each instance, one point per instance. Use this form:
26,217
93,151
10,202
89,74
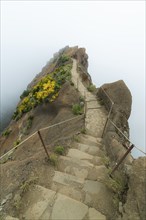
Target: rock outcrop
132,171
117,99
135,206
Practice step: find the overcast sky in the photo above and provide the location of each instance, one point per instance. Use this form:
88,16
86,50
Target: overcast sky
113,33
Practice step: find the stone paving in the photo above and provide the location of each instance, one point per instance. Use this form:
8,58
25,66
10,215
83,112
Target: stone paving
95,118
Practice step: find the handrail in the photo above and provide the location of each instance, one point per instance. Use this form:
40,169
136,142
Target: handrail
125,136
62,122
107,96
108,119
59,123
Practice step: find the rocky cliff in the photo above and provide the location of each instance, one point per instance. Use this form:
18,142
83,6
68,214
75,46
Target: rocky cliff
73,181
117,98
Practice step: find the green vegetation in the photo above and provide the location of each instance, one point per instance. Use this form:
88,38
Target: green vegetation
63,59
115,185
118,185
62,74
76,138
53,159
91,88
77,109
27,125
16,142
46,90
24,94
25,185
81,99
83,131
101,102
59,150
106,161
6,132
29,122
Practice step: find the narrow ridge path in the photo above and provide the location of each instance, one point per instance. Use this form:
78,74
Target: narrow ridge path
77,191
95,118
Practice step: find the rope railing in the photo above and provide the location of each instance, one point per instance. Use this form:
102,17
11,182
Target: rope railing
108,118
131,145
108,96
38,132
125,136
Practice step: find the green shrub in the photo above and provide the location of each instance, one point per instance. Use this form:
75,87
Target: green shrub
76,138
101,102
46,90
29,122
27,125
16,142
115,185
6,132
53,159
24,94
81,99
77,109
63,59
91,88
25,185
59,150
106,161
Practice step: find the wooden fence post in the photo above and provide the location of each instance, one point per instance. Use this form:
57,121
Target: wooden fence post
43,144
121,160
107,120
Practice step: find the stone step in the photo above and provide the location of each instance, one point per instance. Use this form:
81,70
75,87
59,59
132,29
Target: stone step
92,150
66,179
89,140
68,185
74,166
47,204
10,218
75,153
98,196
82,168
93,104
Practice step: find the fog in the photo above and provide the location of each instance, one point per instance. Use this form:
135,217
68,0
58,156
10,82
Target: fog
113,33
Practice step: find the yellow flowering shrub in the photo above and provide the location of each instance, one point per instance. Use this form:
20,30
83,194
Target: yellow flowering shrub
46,90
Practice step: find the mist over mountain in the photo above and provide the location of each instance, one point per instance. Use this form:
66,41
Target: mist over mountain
112,33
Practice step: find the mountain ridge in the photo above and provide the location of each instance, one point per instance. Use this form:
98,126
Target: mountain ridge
80,175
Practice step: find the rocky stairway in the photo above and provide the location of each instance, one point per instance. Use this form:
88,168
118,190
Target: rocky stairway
78,191
48,204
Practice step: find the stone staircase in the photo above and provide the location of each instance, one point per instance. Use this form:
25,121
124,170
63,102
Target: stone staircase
78,191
